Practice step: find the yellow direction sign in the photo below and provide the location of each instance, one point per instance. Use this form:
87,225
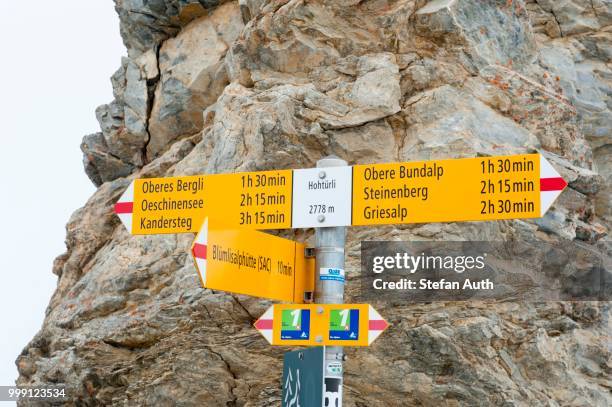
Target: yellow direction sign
257,200
253,263
471,189
321,324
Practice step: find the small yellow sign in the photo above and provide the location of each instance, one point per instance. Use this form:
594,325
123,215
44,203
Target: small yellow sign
321,324
253,263
471,189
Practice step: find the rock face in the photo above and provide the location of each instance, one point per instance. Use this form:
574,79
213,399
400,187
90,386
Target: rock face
192,75
211,87
146,24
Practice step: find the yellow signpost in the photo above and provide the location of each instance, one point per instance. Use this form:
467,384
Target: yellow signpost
231,255
254,263
321,324
469,189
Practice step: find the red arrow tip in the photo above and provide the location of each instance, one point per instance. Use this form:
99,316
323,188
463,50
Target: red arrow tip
124,207
552,184
199,251
263,324
378,325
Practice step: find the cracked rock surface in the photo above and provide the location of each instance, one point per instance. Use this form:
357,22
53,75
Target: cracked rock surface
214,87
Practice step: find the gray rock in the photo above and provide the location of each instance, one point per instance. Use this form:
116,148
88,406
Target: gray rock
585,89
497,33
100,164
145,24
374,94
446,116
556,221
581,179
579,16
604,167
124,123
192,75
373,142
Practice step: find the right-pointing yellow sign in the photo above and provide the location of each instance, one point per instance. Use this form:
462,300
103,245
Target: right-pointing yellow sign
471,189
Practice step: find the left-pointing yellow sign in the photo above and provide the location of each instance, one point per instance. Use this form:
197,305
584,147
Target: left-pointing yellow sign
254,263
254,200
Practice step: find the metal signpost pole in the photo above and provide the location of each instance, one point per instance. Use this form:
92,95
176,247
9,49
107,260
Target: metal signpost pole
329,249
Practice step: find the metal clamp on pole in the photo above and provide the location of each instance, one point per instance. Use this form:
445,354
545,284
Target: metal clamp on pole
329,249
